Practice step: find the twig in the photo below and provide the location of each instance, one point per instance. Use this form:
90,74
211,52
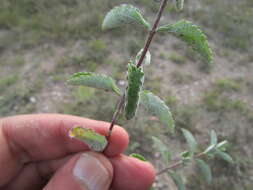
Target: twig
144,52
177,164
152,32
115,115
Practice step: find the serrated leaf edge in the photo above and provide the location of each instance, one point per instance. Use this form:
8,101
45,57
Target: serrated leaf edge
202,35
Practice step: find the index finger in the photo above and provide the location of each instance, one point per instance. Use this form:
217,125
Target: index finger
30,138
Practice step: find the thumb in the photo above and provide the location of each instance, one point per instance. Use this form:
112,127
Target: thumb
85,171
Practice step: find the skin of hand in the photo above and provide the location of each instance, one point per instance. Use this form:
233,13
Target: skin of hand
36,153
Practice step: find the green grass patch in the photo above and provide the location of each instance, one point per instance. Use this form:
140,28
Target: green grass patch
177,58
230,20
186,116
181,78
227,85
7,82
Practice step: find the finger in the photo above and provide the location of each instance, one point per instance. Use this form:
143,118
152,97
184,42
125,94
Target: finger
86,171
28,178
42,137
37,174
131,173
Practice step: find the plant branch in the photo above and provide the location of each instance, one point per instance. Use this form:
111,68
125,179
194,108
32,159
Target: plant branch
144,52
177,164
115,115
152,32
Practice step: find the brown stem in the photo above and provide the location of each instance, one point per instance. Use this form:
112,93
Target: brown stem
177,164
147,44
115,115
152,32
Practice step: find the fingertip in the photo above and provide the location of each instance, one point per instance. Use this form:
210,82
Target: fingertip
84,171
141,174
118,141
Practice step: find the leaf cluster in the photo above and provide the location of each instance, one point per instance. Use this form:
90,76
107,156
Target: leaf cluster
193,154
135,94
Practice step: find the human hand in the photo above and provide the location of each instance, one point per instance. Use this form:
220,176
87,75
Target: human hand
36,153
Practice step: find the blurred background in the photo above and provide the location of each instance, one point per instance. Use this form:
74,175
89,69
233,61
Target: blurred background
42,42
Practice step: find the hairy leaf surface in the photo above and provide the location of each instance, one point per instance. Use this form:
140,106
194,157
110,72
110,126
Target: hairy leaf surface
95,141
224,156
177,180
156,107
192,35
95,81
205,170
135,77
124,14
192,143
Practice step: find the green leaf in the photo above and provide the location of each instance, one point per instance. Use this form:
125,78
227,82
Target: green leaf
162,148
192,35
213,136
222,145
213,143
177,180
192,143
179,5
156,107
95,141
224,156
135,78
124,14
95,81
186,155
147,59
205,170
138,156
210,149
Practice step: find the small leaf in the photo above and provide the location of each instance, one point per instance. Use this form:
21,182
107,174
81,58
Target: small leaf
177,180
224,156
135,77
205,170
179,5
192,35
95,141
209,149
222,145
124,14
156,107
162,148
186,155
138,156
95,81
192,143
213,140
213,143
147,59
